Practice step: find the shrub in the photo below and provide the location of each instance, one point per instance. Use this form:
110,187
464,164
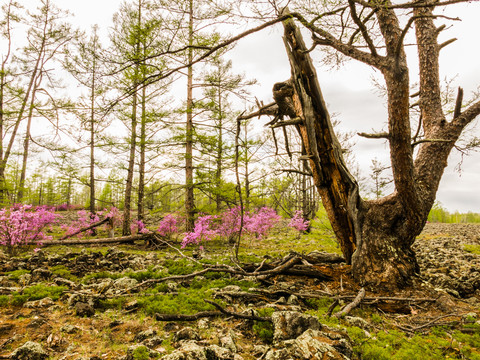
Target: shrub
23,225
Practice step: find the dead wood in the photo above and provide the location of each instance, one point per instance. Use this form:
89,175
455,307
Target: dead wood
182,317
431,323
121,239
238,315
86,228
346,310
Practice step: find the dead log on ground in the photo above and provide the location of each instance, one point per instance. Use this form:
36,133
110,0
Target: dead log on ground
121,239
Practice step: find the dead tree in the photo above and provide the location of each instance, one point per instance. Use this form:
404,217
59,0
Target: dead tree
375,236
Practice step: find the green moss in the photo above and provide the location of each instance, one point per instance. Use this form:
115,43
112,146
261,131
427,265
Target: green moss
40,291
396,345
16,274
264,329
474,249
4,299
63,272
141,353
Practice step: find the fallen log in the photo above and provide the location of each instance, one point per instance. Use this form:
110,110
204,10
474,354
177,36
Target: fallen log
86,228
121,239
183,317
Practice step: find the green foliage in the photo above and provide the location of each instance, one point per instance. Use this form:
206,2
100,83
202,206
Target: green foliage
438,214
36,292
40,291
16,274
141,353
115,303
474,249
264,329
181,266
396,345
4,299
321,304
63,272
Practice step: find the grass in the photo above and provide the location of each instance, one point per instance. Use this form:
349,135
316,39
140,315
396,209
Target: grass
474,249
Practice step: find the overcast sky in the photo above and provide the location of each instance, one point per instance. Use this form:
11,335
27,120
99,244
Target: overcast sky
348,91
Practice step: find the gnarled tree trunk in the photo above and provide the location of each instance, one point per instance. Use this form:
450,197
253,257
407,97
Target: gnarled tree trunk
375,236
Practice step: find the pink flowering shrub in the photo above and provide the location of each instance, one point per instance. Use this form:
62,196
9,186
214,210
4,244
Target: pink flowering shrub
230,222
168,226
227,225
138,227
21,225
298,223
261,222
203,231
86,219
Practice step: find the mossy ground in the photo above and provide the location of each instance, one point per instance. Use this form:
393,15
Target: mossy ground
112,329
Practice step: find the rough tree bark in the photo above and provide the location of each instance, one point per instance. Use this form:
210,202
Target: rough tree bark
375,236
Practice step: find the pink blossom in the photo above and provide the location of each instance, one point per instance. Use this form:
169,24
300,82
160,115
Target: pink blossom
298,223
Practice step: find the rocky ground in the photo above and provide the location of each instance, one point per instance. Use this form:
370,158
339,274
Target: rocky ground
123,302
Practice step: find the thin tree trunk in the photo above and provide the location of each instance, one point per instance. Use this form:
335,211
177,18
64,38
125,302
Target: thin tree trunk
218,174
189,186
141,166
26,142
92,138
133,141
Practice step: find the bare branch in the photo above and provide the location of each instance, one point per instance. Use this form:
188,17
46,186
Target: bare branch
294,121
446,43
458,103
362,27
382,135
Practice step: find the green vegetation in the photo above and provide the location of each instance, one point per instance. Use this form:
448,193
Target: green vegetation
474,249
263,329
396,345
438,214
16,274
35,292
63,272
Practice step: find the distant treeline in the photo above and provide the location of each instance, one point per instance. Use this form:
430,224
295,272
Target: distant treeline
439,215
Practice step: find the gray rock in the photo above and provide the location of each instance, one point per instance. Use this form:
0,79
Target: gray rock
358,322
41,274
291,324
187,333
42,303
143,335
312,345
25,279
69,329
124,283
228,342
29,351
190,350
84,310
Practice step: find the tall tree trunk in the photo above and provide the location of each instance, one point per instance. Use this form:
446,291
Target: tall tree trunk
141,166
189,186
92,138
26,142
133,140
218,173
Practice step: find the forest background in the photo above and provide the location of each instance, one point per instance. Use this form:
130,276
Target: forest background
81,119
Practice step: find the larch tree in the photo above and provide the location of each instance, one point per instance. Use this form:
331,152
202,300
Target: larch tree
46,37
376,236
192,24
84,62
